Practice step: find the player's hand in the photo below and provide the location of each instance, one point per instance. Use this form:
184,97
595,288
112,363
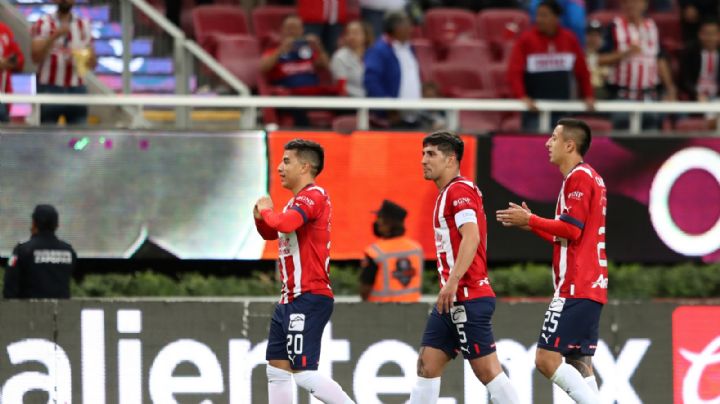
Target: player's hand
285,46
61,31
256,213
314,41
447,296
590,104
264,203
530,104
514,216
634,49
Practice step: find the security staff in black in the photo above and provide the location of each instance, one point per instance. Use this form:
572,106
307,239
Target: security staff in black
40,268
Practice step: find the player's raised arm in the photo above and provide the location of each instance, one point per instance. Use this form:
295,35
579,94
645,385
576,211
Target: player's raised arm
285,222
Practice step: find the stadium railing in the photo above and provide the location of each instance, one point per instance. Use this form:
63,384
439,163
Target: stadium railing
363,106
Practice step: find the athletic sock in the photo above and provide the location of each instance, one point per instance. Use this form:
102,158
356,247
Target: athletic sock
322,387
280,388
425,391
502,391
592,382
572,382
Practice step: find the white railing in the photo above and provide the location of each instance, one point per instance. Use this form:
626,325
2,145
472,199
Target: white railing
364,105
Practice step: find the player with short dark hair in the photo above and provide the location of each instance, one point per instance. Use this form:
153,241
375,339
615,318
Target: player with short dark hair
571,324
303,234
461,320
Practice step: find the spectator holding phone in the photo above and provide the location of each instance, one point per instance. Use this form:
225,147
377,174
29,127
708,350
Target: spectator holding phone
11,60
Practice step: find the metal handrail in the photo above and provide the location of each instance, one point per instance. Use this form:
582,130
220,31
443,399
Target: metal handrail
364,105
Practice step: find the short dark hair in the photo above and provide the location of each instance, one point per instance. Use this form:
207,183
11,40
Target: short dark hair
709,20
290,16
580,133
392,19
45,217
446,142
553,5
310,152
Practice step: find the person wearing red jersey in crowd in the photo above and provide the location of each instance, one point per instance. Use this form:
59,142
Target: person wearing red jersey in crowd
580,275
461,319
545,63
62,47
303,234
11,60
324,18
638,65
294,64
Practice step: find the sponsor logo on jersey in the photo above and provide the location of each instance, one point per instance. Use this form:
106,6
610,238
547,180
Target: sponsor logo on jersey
577,195
297,322
557,304
601,282
484,281
696,354
304,199
461,201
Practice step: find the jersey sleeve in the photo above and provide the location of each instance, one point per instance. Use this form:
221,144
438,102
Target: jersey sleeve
577,194
309,204
465,204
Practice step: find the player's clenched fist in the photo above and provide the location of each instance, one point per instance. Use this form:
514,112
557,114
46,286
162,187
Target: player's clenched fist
263,203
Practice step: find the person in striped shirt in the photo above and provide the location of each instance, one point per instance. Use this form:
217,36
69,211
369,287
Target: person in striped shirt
303,233
62,48
460,322
580,276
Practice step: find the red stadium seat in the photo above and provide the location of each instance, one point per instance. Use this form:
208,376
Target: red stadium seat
425,54
668,24
499,80
267,21
479,121
344,124
500,25
445,25
462,81
211,20
692,125
241,55
598,125
470,53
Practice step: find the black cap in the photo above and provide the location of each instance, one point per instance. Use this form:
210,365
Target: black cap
45,217
391,210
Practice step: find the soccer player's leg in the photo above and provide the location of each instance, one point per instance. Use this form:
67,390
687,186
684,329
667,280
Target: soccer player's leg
473,324
307,320
280,388
570,330
438,347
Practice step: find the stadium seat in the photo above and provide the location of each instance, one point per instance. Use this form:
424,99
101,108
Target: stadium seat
211,20
469,53
668,24
598,125
500,28
696,124
479,121
499,80
425,54
445,25
267,21
462,81
241,55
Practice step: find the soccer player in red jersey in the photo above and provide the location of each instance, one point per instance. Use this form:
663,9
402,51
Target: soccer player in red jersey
570,328
460,322
303,233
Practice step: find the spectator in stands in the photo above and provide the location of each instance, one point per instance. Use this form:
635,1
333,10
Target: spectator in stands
593,45
573,16
692,12
638,65
42,267
391,69
347,63
373,12
699,70
325,19
11,60
62,47
544,62
294,64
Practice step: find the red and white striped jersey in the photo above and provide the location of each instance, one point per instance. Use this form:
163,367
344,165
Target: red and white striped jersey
580,266
304,255
640,71
460,202
58,69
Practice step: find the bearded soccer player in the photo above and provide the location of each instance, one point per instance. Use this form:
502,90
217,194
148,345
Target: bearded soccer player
460,322
303,233
577,232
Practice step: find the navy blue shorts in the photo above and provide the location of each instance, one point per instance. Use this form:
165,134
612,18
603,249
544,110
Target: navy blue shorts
571,326
467,329
296,330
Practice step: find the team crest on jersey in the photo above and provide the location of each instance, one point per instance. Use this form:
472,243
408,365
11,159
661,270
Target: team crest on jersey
601,282
458,314
297,322
404,271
